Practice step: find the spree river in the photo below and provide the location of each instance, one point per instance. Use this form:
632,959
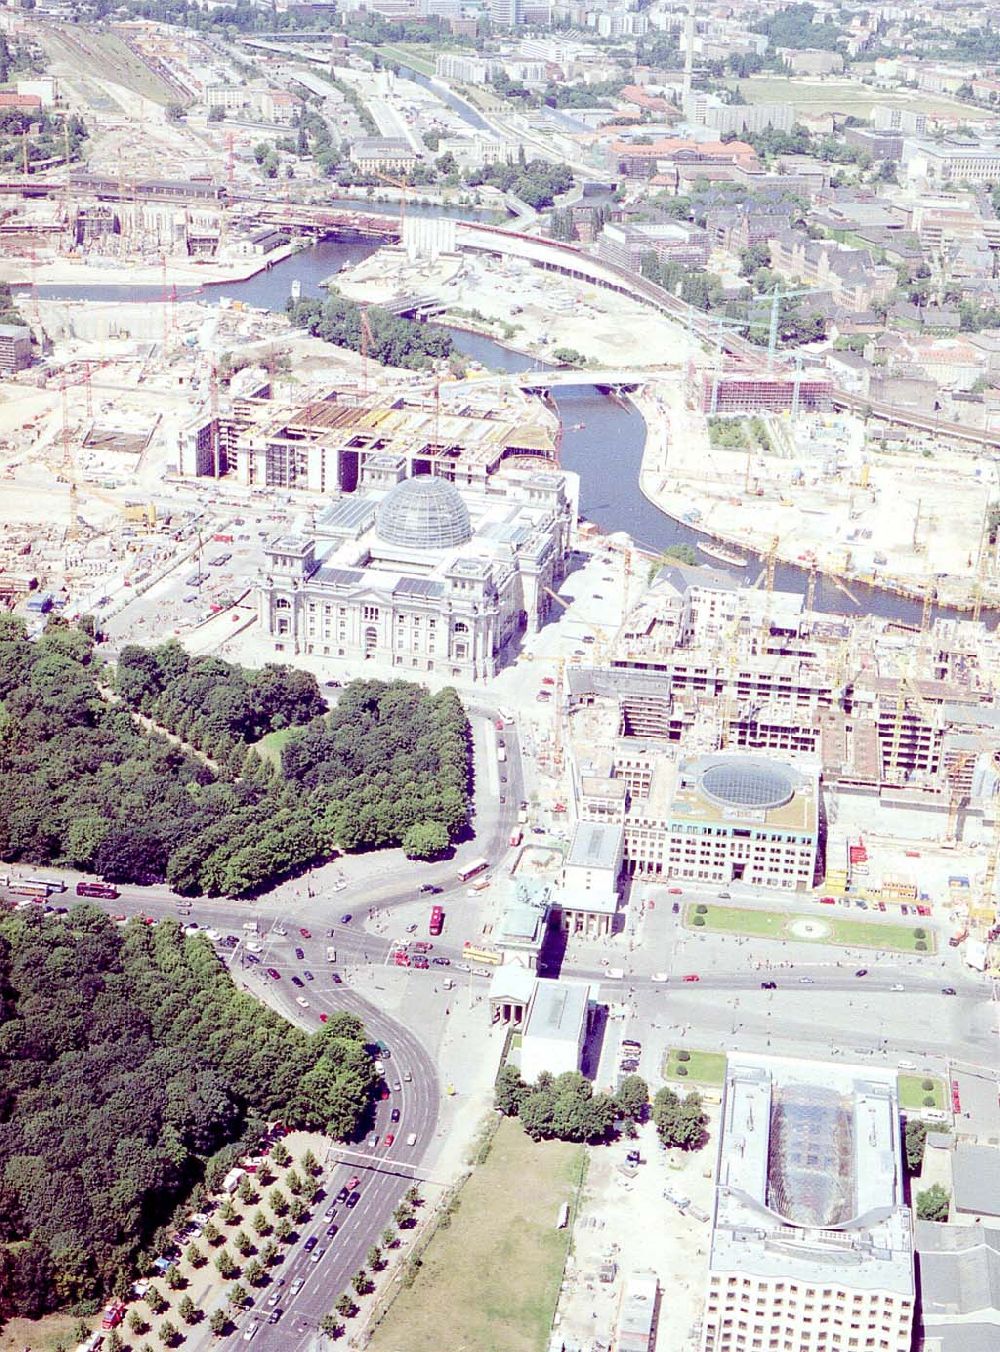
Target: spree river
602,439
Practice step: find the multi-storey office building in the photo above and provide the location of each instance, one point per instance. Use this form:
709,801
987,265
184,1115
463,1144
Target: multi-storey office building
811,1246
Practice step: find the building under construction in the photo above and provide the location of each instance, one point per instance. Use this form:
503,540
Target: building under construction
746,391
323,446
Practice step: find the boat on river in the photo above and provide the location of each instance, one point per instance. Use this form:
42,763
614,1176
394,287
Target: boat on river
724,553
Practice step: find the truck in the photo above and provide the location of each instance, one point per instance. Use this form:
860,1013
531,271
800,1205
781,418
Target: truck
331,953
501,754
516,837
113,1315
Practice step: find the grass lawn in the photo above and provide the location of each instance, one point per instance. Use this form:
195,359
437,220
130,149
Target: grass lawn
491,1279
413,55
702,1068
734,920
834,930
41,1335
269,746
912,1092
844,95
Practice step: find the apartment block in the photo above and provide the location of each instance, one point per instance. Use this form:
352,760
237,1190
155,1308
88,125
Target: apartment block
15,347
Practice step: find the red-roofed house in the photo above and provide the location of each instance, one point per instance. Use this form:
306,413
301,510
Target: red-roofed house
642,161
635,94
24,103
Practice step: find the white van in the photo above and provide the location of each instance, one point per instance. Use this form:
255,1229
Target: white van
412,1138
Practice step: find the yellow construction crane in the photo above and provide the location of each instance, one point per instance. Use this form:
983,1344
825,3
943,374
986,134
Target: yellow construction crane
927,710
599,634
770,561
404,188
811,587
728,656
958,795
984,908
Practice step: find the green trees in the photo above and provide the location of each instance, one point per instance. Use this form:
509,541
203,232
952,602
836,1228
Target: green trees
394,341
565,1107
169,1334
345,1306
388,757
425,840
226,1264
331,1326
218,1322
934,1203
914,1140
632,1098
81,784
143,1040
680,1122
510,1091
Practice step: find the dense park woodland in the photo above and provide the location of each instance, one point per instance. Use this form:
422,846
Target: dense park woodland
132,1075
90,779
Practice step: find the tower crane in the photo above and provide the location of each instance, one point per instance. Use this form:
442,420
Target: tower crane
404,188
957,795
983,910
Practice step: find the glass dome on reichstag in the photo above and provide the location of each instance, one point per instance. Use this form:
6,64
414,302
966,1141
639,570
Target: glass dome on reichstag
423,513
741,781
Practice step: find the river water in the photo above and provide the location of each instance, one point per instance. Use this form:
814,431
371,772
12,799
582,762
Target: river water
602,439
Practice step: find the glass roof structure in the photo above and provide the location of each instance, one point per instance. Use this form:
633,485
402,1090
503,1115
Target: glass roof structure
810,1166
423,513
741,781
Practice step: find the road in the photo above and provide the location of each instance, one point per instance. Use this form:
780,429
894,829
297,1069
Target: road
385,1175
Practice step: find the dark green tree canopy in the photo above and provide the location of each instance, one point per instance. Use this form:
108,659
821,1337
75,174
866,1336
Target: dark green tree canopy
131,1069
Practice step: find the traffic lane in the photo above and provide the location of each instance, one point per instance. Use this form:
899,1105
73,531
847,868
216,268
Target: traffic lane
838,981
923,1029
395,887
384,1180
382,1185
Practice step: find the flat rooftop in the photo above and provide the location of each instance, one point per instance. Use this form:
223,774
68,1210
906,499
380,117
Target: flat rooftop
558,1011
595,845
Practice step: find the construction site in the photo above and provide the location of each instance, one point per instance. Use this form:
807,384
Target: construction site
828,493
902,730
